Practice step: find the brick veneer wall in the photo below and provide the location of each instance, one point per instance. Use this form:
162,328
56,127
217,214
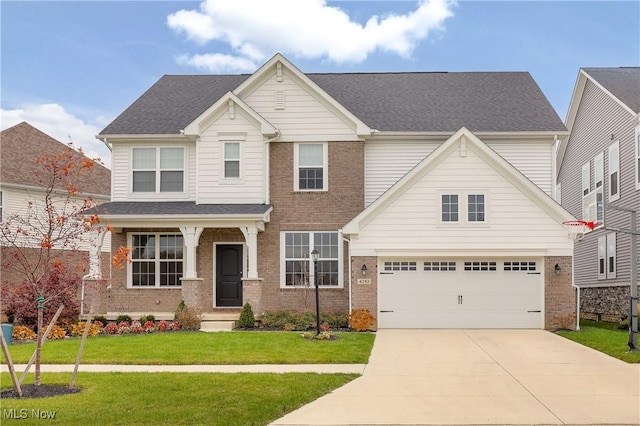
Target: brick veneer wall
309,211
604,303
365,296
560,296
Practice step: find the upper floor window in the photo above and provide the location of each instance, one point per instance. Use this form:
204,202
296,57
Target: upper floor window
450,208
296,264
475,207
158,169
614,171
156,260
598,163
638,157
231,160
311,167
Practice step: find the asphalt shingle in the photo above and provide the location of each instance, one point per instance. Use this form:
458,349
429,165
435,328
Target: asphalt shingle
179,208
623,83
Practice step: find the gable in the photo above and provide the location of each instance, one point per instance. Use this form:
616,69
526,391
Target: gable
407,215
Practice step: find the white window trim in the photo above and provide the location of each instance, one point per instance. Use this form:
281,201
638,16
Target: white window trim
559,193
283,268
586,178
157,261
325,167
614,147
598,166
637,143
604,255
463,208
156,193
232,180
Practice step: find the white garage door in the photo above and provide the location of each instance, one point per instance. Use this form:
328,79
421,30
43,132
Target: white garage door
461,293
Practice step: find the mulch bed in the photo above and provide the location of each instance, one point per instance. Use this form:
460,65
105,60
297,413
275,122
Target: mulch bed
40,391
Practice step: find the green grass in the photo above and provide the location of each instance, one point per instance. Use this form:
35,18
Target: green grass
188,348
604,338
173,399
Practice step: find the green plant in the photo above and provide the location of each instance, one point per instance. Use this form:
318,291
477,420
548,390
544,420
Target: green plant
149,317
102,319
125,318
361,319
247,319
189,318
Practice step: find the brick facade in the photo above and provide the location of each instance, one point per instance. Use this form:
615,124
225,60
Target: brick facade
365,293
559,294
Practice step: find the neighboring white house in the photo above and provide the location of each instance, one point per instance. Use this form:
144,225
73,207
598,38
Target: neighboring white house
428,195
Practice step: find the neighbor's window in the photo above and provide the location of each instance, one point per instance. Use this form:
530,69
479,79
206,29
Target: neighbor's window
311,167
614,171
156,260
232,160
296,263
475,206
598,163
158,169
450,208
607,256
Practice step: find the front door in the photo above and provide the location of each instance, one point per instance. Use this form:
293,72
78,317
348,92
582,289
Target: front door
229,275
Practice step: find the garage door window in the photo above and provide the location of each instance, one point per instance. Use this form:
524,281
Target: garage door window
400,266
480,266
519,266
440,266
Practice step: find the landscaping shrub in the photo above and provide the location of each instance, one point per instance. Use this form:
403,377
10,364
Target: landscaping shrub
102,319
145,318
78,329
124,327
111,328
22,332
163,326
336,321
247,319
301,321
149,326
188,318
361,319
125,318
57,333
136,327
58,288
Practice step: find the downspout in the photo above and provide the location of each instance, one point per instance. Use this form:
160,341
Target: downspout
267,165
348,241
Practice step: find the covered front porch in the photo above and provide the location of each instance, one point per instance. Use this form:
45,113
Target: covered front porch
206,255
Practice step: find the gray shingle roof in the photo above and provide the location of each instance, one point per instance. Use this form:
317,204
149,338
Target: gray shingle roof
179,208
623,83
422,101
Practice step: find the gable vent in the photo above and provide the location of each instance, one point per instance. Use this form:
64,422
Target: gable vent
280,99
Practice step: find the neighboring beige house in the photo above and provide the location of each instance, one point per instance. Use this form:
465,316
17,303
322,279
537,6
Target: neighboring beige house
599,164
427,195
20,148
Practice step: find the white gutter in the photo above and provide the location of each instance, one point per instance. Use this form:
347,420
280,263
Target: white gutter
348,241
267,165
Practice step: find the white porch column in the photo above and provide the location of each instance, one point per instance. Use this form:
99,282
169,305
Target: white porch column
251,237
191,236
95,253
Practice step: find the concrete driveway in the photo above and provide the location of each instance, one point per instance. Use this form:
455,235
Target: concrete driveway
481,377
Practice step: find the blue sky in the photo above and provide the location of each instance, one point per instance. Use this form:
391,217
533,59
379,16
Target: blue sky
69,68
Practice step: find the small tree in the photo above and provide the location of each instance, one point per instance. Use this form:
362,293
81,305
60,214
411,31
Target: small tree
39,242
247,319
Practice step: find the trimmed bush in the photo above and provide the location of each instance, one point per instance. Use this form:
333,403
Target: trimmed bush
57,333
188,319
247,319
302,321
125,318
22,332
361,319
102,319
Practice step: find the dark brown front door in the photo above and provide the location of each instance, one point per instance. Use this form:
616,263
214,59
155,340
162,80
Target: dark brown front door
229,275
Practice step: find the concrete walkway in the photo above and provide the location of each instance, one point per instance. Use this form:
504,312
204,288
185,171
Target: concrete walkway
255,368
463,377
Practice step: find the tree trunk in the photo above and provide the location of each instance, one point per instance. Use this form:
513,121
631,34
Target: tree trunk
38,346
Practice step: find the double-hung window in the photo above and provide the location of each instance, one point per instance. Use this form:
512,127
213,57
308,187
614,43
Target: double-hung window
297,267
586,189
158,170
465,208
450,207
311,167
156,260
598,163
614,171
475,207
607,256
231,160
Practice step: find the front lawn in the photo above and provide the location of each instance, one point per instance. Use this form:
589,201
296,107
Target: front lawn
188,348
171,398
604,339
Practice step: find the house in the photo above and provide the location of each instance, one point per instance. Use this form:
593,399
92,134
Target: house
20,148
598,172
428,197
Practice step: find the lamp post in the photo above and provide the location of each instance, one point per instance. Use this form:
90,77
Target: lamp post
314,257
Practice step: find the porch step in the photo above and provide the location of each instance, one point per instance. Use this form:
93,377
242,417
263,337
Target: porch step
223,320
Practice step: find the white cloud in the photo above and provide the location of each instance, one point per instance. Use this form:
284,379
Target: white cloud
53,120
218,62
256,29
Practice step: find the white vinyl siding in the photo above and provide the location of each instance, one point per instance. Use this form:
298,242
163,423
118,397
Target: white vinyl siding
598,164
516,222
298,112
559,193
614,171
637,162
212,159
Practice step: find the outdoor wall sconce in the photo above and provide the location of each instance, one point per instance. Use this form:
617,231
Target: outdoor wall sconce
558,269
364,269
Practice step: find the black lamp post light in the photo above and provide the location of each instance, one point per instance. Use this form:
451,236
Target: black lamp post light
314,257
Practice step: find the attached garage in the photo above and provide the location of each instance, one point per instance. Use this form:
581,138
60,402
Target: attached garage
461,293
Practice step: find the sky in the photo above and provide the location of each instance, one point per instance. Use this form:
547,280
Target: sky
70,67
